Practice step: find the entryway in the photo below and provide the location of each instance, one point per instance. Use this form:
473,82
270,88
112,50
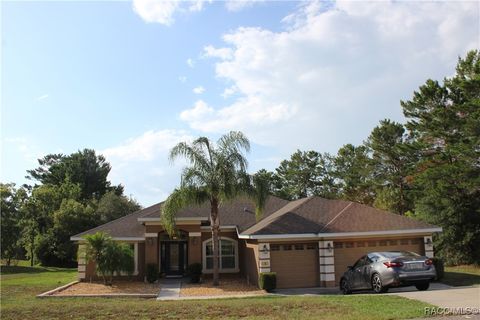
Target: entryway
173,254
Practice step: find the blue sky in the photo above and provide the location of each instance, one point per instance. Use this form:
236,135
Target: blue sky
131,79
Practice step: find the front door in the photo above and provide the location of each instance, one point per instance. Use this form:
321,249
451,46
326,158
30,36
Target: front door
173,257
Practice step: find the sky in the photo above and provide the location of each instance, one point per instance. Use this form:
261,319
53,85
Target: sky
131,79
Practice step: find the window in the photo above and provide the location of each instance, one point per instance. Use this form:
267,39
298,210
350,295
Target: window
287,247
348,244
338,245
311,246
372,243
382,243
298,247
404,241
393,242
228,255
360,263
274,247
360,244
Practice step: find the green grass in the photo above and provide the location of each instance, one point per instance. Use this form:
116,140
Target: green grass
19,289
466,275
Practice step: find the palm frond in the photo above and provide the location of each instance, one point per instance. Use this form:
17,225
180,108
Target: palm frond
180,198
196,156
234,140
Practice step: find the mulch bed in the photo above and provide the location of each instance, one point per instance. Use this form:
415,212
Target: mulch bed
118,287
228,286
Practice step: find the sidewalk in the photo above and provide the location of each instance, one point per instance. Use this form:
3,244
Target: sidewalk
169,289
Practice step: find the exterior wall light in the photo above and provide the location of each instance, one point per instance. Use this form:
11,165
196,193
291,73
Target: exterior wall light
329,247
264,248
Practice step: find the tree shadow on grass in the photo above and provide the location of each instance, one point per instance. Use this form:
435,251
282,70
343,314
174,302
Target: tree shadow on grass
23,269
458,279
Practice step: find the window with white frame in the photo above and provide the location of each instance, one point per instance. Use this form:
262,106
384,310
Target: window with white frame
228,255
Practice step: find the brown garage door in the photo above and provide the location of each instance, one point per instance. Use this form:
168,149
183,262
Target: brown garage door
347,252
296,264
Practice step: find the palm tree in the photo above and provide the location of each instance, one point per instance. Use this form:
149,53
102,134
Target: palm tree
217,174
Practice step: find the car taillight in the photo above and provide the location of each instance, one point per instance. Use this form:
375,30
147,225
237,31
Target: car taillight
391,264
428,262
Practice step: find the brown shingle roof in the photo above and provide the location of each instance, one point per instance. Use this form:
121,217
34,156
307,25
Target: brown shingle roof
303,216
239,213
318,215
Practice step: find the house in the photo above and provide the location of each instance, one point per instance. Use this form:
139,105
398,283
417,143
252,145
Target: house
308,242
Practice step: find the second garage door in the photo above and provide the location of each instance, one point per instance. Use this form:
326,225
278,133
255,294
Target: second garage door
296,264
347,252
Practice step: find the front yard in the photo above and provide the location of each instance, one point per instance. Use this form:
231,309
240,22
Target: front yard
18,301
229,286
468,275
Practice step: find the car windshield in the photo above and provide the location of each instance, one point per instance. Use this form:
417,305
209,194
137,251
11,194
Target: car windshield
396,254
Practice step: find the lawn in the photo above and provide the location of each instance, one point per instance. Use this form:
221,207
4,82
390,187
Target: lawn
19,289
467,275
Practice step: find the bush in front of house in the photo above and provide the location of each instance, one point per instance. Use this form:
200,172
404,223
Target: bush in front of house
110,257
152,272
439,267
195,272
267,281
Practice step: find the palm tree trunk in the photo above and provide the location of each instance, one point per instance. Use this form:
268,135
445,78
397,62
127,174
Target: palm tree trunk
215,224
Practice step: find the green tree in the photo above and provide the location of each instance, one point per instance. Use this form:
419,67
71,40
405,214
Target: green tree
354,174
305,174
110,257
444,120
83,168
113,206
217,174
11,200
393,161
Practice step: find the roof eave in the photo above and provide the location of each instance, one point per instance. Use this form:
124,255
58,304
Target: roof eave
75,238
340,234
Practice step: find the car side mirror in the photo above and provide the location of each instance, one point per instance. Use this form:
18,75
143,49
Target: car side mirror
350,267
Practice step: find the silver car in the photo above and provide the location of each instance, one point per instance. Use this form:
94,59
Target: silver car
382,270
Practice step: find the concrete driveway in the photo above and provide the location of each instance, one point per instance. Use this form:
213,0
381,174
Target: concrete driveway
443,296
438,294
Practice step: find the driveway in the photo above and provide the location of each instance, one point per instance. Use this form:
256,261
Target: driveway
443,296
438,294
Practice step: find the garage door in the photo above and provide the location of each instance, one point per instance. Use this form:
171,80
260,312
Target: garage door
347,252
296,264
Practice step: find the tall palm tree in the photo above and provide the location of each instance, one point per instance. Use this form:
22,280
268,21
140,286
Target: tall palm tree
217,174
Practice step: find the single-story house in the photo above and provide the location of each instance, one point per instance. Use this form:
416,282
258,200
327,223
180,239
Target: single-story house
308,242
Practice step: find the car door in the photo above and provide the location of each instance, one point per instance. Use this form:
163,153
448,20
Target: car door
357,271
366,271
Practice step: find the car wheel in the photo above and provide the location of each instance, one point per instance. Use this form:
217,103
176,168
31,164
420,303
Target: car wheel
422,286
345,287
377,285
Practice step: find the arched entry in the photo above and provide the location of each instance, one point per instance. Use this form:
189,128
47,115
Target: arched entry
173,253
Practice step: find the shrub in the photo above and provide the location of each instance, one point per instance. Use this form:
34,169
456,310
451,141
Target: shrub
110,256
195,272
152,272
439,266
267,281
127,263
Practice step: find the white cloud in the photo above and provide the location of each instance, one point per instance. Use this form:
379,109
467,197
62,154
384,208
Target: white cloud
42,97
229,91
237,5
147,146
335,70
222,53
198,90
182,79
163,11
190,62
141,164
